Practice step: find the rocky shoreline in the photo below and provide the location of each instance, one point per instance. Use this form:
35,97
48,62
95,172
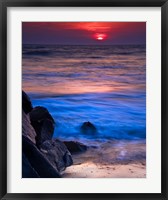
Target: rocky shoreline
46,157
42,155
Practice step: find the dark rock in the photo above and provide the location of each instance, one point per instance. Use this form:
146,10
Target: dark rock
88,128
27,170
27,129
26,103
43,124
75,147
40,113
38,161
57,154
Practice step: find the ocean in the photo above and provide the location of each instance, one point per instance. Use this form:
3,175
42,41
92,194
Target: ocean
105,85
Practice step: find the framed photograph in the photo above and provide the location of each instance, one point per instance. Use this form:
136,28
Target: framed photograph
83,99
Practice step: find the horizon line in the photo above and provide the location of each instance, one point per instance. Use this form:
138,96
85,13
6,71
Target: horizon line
82,44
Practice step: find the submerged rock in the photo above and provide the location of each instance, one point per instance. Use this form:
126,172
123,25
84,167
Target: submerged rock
38,161
43,124
75,147
57,154
26,103
27,129
88,128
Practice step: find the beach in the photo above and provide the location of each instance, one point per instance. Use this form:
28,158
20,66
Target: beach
113,159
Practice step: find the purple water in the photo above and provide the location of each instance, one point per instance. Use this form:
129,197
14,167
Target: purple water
105,85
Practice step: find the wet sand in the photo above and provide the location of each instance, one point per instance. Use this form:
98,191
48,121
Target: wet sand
112,159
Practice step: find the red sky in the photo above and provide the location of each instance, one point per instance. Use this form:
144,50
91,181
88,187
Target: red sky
84,33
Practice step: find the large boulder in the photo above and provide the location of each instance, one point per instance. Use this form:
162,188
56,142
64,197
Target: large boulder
75,147
26,103
27,170
57,154
88,128
38,161
27,129
43,124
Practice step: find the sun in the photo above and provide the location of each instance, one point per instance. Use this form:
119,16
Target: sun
100,36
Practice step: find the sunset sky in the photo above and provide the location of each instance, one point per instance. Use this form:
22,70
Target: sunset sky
84,33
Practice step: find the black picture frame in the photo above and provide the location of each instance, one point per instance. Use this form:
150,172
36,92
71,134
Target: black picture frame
4,4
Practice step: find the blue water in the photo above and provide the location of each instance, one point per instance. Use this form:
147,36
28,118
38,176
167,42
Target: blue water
105,85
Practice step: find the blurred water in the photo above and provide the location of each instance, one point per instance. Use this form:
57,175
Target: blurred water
105,85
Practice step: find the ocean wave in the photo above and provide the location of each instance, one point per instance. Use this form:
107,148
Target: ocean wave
37,53
105,85
112,114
